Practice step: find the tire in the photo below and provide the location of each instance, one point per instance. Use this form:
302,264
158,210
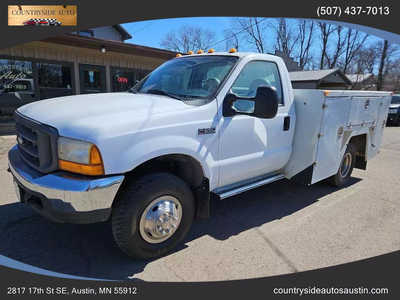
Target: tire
138,199
345,169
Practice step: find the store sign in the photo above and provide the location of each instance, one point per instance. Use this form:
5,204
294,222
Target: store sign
12,70
10,75
122,80
42,15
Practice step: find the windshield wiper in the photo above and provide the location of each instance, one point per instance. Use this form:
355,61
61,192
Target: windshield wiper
164,93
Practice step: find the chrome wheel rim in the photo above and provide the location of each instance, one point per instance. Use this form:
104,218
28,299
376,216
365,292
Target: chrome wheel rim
160,219
346,165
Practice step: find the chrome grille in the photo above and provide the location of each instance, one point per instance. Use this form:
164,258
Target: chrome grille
36,143
27,144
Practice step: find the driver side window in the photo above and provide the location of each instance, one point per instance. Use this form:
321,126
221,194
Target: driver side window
254,75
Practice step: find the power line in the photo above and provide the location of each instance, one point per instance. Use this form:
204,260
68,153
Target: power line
239,32
144,27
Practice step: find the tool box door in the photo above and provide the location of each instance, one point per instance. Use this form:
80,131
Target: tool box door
364,110
375,132
330,146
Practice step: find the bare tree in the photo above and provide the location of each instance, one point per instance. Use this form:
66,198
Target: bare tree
394,74
254,30
388,59
365,60
325,31
353,43
332,59
188,38
286,39
306,29
231,39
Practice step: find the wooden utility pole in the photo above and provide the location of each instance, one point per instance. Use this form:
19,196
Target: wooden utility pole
379,83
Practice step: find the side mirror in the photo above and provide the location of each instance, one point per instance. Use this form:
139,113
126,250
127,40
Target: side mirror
264,105
267,102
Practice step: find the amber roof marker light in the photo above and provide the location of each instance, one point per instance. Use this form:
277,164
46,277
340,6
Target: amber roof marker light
211,50
232,50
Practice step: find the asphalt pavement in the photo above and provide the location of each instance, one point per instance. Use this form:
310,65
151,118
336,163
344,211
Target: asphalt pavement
276,229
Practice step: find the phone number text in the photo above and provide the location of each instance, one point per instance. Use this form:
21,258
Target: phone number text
353,11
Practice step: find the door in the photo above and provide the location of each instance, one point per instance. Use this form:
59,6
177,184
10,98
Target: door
251,146
92,79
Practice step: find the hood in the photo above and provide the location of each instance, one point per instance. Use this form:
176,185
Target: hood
395,105
85,115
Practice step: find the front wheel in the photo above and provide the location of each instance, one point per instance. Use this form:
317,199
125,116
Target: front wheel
152,215
345,168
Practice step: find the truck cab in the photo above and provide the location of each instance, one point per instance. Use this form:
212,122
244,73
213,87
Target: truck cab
199,128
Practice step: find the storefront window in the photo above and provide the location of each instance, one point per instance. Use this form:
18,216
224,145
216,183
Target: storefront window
92,79
54,80
124,79
16,85
11,70
54,76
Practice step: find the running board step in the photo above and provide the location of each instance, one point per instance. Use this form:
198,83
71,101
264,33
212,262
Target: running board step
250,186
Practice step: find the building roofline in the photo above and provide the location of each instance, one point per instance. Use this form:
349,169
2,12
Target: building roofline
125,34
325,73
110,45
341,74
359,78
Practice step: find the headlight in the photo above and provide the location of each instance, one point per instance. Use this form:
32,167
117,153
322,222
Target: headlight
79,157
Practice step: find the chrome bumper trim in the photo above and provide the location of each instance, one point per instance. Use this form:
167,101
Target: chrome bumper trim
68,192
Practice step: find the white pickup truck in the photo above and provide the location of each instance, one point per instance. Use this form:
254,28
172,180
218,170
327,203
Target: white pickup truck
197,129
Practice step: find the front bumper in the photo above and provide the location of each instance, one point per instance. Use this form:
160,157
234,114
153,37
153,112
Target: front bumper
62,196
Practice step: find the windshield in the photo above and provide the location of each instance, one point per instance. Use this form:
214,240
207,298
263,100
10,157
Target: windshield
188,77
396,99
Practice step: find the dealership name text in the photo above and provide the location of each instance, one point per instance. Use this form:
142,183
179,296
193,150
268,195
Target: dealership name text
42,12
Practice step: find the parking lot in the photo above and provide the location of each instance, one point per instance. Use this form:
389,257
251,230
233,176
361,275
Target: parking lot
276,229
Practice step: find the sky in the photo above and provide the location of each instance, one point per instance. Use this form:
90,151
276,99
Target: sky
151,33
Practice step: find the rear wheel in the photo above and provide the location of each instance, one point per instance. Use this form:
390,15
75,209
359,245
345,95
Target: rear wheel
345,168
153,215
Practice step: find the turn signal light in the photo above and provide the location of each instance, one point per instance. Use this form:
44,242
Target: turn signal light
95,166
95,157
80,168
